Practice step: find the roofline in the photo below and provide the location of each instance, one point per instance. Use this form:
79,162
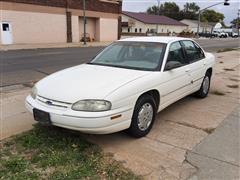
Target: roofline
123,12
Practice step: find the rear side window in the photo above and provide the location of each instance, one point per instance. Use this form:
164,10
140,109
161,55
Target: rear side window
193,52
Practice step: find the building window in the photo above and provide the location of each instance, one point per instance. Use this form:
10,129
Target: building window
128,29
140,30
135,30
5,27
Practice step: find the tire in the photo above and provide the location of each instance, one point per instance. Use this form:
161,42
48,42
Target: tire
204,90
143,117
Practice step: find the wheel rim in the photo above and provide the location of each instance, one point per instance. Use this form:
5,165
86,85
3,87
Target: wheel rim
205,85
145,116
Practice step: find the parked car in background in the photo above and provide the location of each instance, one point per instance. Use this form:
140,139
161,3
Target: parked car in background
234,35
208,35
124,86
223,35
220,34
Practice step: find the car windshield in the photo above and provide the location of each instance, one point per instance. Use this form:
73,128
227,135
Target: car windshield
132,55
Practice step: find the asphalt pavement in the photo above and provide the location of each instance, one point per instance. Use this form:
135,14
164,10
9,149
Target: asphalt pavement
25,66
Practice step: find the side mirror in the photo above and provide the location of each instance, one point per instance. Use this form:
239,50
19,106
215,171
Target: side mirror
172,65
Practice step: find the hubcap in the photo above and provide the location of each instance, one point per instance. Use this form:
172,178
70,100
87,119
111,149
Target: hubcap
205,85
145,116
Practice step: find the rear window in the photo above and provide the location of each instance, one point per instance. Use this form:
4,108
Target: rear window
193,51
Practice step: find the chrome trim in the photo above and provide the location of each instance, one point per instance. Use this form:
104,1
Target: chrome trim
55,100
53,104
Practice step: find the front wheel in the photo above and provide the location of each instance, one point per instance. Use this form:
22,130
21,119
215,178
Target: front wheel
203,91
143,116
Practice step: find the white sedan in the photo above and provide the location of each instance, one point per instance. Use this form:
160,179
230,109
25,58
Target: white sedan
124,86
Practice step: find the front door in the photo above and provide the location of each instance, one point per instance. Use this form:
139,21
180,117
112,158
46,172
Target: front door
6,33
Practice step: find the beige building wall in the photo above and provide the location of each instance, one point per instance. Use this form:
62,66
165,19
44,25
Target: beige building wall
75,29
108,29
193,26
170,28
32,27
137,24
43,24
90,27
161,28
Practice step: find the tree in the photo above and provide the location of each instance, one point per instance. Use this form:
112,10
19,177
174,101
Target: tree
236,22
191,7
153,10
211,16
190,11
170,9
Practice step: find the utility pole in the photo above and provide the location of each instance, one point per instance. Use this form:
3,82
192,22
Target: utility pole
158,13
226,3
84,22
237,23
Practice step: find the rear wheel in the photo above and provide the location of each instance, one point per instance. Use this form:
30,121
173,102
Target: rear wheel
143,116
203,91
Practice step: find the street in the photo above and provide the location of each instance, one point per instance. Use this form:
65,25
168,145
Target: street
25,66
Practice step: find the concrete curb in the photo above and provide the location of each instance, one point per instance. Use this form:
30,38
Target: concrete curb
46,46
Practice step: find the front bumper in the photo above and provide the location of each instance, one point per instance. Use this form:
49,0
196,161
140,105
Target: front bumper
88,122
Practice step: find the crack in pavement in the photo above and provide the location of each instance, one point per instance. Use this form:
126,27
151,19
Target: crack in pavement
41,72
203,155
166,143
207,130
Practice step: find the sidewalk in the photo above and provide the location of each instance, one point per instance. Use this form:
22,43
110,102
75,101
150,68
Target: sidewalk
218,156
51,45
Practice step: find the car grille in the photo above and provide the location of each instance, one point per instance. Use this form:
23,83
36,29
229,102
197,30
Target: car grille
53,103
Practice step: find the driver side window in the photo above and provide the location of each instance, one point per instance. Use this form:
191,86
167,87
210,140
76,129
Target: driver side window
176,53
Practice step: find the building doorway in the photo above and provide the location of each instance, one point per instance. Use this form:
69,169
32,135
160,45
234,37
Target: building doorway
90,29
6,33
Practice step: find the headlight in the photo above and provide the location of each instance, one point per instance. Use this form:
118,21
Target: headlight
92,105
34,92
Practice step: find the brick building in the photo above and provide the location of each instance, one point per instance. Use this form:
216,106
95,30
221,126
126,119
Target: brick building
57,21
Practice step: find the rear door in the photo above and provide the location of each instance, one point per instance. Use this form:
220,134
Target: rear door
196,59
177,81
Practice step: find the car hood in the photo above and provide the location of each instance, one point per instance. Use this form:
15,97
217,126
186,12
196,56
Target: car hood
85,82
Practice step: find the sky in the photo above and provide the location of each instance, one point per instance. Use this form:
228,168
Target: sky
230,12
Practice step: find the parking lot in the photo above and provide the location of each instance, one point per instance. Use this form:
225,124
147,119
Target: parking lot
171,150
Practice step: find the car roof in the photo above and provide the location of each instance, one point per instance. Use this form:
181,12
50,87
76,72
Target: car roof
160,39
